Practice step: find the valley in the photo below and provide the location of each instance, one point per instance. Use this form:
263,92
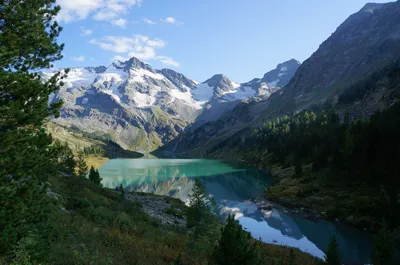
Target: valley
147,151
221,119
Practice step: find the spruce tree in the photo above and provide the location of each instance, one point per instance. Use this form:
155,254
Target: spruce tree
94,176
201,211
332,255
121,189
98,178
384,251
235,246
28,41
82,168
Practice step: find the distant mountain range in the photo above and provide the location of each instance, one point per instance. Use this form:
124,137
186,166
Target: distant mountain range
141,108
352,61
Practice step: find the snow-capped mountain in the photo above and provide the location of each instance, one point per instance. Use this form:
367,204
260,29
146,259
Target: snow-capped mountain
219,94
139,107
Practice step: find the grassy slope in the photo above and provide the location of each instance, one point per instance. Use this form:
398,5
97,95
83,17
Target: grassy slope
77,141
97,227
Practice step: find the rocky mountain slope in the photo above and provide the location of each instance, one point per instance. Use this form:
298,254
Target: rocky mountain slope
364,43
361,48
141,108
229,94
138,107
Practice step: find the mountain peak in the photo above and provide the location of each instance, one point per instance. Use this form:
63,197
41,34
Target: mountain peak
371,7
282,74
290,62
132,63
217,79
181,81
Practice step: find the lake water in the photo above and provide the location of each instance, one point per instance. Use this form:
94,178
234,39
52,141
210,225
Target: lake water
233,187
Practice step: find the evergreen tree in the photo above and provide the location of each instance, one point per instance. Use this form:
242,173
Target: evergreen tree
384,252
332,255
66,159
94,176
235,247
201,211
98,178
27,157
121,189
82,168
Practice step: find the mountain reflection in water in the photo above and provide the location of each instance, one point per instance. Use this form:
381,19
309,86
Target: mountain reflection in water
233,187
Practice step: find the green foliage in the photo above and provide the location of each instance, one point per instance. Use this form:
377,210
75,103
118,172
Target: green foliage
82,168
23,250
28,35
384,252
355,154
93,150
201,211
332,255
94,176
235,246
27,156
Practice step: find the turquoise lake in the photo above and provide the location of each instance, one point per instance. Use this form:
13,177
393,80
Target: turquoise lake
234,187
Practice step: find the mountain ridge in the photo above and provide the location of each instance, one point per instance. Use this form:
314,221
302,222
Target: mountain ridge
362,45
139,107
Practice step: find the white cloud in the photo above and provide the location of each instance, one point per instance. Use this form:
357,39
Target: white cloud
73,10
139,46
148,21
86,32
79,58
119,22
170,20
168,61
105,15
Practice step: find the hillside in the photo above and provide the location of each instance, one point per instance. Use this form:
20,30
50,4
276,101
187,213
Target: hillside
97,149
358,54
97,227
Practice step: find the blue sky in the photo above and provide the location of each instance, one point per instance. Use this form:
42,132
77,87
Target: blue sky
242,39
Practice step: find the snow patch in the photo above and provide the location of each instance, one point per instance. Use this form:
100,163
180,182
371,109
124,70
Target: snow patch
115,95
144,100
138,75
203,93
235,85
76,77
186,97
241,93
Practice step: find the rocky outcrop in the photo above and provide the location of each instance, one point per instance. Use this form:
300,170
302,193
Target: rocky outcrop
160,208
